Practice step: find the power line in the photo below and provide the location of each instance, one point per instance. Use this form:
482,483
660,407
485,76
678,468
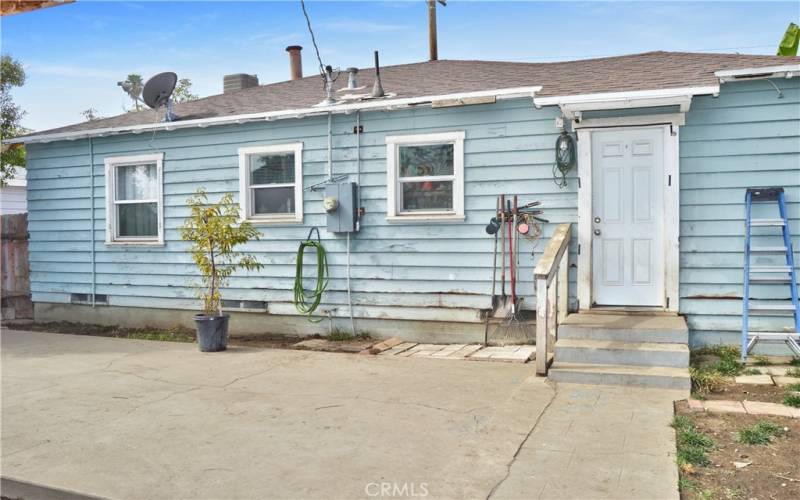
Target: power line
313,38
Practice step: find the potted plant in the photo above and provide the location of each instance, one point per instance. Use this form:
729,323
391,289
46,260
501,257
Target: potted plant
214,229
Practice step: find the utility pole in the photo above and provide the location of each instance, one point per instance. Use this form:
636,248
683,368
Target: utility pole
432,41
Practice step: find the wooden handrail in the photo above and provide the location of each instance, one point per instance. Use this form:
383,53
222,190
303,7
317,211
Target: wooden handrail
551,277
548,262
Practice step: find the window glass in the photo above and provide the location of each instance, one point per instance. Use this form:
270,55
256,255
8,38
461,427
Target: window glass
137,182
273,168
277,200
137,219
427,160
427,195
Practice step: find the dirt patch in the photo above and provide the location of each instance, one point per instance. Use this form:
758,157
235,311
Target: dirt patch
265,341
773,471
749,392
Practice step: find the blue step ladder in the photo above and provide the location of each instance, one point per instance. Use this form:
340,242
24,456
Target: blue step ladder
782,274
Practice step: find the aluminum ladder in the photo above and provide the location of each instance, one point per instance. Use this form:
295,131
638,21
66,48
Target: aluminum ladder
769,274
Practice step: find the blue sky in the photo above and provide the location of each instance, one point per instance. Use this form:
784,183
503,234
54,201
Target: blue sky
75,54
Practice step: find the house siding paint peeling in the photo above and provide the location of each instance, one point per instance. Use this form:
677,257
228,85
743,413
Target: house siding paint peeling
433,271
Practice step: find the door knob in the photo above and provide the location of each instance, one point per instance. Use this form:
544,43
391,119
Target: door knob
597,220
597,232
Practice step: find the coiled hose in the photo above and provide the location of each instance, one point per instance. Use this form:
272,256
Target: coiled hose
307,301
565,158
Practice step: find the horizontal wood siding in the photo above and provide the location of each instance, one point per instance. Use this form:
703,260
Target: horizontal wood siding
747,136
420,270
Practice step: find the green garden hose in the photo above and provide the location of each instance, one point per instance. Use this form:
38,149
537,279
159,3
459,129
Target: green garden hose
307,301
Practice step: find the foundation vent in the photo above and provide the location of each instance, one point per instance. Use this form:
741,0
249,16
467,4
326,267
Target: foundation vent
245,305
86,298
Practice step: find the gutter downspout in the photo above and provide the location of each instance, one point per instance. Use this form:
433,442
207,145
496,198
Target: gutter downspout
91,208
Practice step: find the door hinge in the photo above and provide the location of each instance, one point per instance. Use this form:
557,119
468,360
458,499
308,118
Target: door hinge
579,182
669,180
667,302
579,248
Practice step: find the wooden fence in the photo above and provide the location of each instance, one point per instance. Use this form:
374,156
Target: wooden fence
16,284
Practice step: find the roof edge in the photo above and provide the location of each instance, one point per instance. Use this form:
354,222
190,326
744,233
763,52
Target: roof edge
373,105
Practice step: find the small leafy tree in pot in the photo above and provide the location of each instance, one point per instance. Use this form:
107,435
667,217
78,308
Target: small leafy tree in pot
214,229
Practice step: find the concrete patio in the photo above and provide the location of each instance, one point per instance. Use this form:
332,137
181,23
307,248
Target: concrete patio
136,419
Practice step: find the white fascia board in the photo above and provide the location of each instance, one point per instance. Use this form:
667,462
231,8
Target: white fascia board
625,96
787,71
346,108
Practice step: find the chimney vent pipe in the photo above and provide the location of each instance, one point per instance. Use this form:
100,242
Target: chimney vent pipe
377,89
295,62
352,82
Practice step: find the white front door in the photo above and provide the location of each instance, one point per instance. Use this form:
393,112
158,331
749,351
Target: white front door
627,217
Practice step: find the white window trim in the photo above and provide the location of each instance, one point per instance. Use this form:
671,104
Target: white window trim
245,202
393,181
111,213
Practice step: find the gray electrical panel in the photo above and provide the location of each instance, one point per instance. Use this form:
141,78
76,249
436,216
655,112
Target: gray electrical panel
344,216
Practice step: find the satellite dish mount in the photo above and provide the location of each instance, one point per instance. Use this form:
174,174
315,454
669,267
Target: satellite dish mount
158,91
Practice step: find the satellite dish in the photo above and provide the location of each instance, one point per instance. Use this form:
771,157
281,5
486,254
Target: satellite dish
158,89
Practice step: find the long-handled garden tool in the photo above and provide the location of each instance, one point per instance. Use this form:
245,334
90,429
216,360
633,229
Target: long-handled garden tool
513,329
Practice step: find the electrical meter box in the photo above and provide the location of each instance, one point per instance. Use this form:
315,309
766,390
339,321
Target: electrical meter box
341,202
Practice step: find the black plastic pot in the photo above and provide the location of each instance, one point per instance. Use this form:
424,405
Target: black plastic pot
212,332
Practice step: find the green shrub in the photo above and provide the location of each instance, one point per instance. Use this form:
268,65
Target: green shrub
761,433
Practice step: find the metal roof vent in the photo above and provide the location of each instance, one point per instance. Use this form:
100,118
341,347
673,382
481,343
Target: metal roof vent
239,81
352,82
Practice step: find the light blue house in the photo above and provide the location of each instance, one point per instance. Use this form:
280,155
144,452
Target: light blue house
667,143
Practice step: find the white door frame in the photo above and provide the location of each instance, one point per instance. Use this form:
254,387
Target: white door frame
671,227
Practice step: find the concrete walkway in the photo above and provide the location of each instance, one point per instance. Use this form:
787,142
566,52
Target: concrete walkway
136,419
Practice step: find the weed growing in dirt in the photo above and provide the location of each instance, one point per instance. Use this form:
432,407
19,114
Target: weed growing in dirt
342,335
692,444
708,378
751,371
761,433
792,400
795,362
761,361
706,381
793,372
792,387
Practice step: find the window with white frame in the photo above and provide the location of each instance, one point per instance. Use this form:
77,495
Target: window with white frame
425,176
134,202
271,183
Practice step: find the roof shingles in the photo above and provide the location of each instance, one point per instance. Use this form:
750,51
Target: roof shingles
646,71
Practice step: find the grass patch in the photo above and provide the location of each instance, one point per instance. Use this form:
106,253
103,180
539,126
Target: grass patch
793,372
342,336
751,371
174,335
792,400
792,387
692,444
761,433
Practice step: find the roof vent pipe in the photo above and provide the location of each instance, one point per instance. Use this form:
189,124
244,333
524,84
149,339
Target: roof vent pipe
295,62
352,83
377,89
